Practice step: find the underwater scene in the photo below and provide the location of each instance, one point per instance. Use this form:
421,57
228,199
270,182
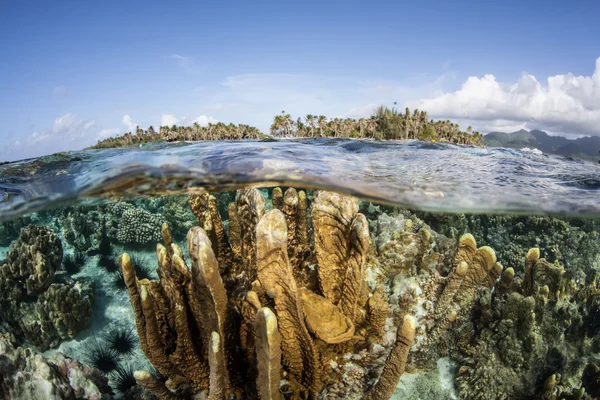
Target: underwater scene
300,269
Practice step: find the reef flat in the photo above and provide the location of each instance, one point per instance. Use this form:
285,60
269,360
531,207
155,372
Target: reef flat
296,294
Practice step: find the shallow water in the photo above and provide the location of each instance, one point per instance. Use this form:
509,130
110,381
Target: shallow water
443,238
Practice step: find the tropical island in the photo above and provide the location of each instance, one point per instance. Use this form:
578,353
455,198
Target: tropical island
384,124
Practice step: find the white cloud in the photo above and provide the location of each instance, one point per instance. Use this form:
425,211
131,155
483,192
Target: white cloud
563,103
68,132
131,126
204,120
168,120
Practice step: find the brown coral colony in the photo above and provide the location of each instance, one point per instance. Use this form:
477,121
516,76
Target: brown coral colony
252,317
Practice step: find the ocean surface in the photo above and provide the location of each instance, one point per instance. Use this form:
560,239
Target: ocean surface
459,273
417,175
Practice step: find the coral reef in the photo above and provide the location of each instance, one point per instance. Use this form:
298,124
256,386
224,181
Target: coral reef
175,210
36,301
405,245
574,243
306,295
253,317
26,375
9,230
510,332
82,227
128,223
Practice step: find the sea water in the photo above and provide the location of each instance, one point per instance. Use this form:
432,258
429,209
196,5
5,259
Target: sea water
533,335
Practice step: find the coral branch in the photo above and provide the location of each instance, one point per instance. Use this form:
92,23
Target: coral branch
395,363
268,354
275,275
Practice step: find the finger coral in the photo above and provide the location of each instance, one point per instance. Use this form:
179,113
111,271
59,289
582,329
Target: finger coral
250,318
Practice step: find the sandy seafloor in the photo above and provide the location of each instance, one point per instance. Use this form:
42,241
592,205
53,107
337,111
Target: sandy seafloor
112,310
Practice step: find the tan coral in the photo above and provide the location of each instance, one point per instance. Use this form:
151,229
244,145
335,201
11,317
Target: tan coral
250,209
341,245
324,320
233,352
378,310
268,354
163,318
145,379
466,249
395,363
204,207
275,275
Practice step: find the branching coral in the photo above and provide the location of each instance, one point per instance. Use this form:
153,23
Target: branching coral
250,315
573,243
31,302
510,329
509,340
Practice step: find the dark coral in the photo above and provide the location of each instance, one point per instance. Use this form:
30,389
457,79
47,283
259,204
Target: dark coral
32,304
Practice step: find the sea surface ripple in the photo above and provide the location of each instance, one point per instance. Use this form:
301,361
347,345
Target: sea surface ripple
417,175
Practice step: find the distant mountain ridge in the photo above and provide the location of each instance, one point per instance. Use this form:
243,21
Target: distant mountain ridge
586,147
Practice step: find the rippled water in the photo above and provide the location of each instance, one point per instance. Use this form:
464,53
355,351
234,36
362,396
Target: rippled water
419,175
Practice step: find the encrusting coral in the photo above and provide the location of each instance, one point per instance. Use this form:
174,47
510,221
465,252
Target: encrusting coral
36,301
254,318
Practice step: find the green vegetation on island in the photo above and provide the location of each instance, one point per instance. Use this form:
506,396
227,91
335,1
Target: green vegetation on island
218,131
385,124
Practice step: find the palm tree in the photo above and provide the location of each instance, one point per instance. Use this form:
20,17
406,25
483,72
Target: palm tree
287,124
276,125
322,122
310,121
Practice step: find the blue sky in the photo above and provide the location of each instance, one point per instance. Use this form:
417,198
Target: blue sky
75,71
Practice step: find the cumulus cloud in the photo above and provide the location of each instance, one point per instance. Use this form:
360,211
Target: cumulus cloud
128,122
70,125
168,120
204,120
562,104
68,132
